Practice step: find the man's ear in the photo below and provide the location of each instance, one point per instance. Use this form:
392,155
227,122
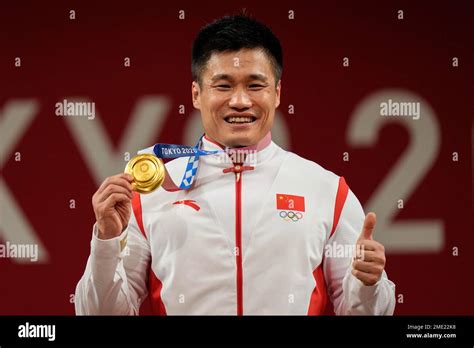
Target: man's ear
278,92
196,95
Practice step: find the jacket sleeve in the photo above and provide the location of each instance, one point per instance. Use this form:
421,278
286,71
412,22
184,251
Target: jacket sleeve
348,294
115,278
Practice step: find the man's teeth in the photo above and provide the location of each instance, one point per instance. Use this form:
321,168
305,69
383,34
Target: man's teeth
240,119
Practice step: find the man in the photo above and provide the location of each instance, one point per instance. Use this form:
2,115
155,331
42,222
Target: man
249,237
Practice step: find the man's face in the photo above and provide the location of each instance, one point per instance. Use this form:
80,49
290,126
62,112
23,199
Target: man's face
237,97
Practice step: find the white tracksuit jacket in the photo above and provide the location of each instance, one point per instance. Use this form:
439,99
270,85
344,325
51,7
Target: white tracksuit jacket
223,247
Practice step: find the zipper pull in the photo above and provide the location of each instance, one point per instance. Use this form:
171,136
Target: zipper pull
237,170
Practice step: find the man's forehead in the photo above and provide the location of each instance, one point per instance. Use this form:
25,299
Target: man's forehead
241,58
245,63
243,53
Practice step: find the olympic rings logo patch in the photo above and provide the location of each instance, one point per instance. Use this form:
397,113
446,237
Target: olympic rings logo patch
291,215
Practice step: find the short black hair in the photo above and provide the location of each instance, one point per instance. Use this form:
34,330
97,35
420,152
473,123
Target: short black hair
233,33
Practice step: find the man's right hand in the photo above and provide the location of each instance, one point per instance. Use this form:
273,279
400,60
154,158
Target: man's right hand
112,205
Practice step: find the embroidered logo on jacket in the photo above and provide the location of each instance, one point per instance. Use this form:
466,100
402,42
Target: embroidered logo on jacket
291,207
190,203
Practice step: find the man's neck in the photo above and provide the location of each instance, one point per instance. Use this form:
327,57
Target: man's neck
261,144
225,146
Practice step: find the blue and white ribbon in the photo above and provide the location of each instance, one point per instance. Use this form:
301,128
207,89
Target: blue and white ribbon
175,151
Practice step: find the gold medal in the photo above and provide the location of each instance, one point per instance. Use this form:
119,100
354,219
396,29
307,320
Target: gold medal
148,172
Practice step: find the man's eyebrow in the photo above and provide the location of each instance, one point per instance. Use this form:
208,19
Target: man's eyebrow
219,77
259,77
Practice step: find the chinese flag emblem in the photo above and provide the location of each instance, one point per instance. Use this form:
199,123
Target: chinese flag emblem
290,202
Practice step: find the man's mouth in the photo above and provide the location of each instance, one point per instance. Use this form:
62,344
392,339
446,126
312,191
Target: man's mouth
240,119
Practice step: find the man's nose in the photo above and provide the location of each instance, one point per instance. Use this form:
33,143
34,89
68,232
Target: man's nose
240,100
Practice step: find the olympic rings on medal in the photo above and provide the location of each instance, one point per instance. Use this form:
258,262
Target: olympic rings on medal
291,215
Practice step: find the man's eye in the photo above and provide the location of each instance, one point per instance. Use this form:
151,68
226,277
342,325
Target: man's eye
256,86
223,86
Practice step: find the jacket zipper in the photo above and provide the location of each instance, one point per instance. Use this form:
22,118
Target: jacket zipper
237,170
238,239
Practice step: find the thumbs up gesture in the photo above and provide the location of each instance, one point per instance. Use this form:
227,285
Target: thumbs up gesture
369,262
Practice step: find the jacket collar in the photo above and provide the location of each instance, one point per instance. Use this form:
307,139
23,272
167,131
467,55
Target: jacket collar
249,156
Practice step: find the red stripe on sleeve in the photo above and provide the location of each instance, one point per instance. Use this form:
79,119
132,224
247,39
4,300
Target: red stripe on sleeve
137,211
154,288
319,296
341,196
154,283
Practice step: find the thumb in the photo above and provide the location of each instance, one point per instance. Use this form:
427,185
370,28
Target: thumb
369,226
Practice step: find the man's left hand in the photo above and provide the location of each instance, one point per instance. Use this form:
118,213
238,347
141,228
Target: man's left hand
369,262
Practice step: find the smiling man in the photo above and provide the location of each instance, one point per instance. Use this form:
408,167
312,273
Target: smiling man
249,237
